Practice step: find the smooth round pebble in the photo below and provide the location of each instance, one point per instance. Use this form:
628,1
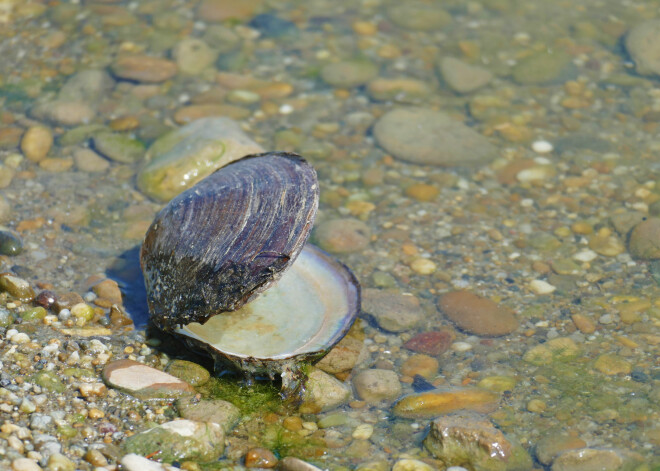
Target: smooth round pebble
585,256
477,315
143,68
36,143
392,311
541,287
423,365
343,235
423,266
644,242
542,147
643,43
411,465
348,74
24,464
377,385
363,432
462,77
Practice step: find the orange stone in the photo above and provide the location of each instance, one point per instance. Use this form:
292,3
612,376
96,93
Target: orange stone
434,403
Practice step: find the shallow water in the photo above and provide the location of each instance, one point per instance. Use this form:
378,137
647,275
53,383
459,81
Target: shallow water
562,74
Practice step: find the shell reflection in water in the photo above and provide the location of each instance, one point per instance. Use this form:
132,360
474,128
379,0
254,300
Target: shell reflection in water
226,268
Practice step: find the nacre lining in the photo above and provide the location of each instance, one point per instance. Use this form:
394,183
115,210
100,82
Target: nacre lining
304,312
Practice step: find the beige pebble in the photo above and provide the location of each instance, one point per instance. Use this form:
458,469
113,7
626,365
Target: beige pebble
541,287
583,324
423,266
536,405
25,464
36,143
56,164
363,432
420,364
610,364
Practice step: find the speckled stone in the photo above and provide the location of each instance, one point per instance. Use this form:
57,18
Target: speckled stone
392,311
190,372
143,68
348,74
462,77
643,43
377,385
209,410
644,242
477,315
323,392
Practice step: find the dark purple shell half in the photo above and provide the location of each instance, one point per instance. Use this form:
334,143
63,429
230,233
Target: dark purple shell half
218,244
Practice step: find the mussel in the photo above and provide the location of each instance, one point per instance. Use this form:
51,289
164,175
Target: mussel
226,269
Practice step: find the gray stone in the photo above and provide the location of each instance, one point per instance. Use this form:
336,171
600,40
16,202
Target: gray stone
594,459
193,56
87,160
342,235
179,440
348,74
377,385
184,156
462,77
323,392
418,16
209,410
87,85
544,67
392,311
430,137
64,112
643,45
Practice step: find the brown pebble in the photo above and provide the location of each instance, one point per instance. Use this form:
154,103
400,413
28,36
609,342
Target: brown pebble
108,289
36,143
95,458
644,242
477,315
56,164
142,68
125,123
420,364
260,458
422,192
292,423
221,10
67,300
343,235
431,343
583,324
10,137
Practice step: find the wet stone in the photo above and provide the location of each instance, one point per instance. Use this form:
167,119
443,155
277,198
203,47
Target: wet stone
142,68
411,465
431,343
477,315
342,235
557,349
343,356
401,90
64,112
418,16
295,464
193,56
190,372
88,86
611,364
179,440
25,464
323,392
422,365
593,459
462,77
134,462
424,136
272,26
474,442
377,385
36,143
10,137
437,402
644,242
144,382
17,287
118,147
184,156
392,311
86,160
552,444
543,67
209,410
216,11
643,43
108,289
260,458
348,74
10,242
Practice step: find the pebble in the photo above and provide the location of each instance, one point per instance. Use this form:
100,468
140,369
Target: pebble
190,372
363,432
179,159
260,458
552,444
375,385
643,43
217,411
474,442
56,164
179,440
477,315
392,311
142,381
424,136
272,26
86,160
433,403
193,56
343,356
611,364
644,241
295,464
134,462
25,464
423,266
118,147
541,287
462,77
401,90
188,114
411,465
5,210
59,462
349,73
217,11
87,85
542,147
10,243
109,290
588,459
64,112
18,288
423,192
36,143
342,235
143,68
418,16
606,244
585,256
323,392
556,349
543,67
498,383
420,364
431,343
10,137
583,324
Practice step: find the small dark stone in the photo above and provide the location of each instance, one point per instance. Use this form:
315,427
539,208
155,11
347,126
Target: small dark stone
10,243
639,375
46,299
272,26
420,384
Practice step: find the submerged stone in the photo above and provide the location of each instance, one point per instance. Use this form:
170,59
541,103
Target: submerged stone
438,402
143,381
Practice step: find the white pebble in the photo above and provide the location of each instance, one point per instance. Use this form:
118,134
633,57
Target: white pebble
363,432
25,464
461,346
20,337
10,333
423,266
456,468
585,256
286,109
541,287
542,147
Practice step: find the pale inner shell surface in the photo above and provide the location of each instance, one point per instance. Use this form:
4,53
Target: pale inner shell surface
304,312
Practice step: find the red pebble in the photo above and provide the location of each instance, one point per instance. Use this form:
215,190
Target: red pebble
431,343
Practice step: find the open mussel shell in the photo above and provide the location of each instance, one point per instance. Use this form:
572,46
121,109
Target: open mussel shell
217,245
307,311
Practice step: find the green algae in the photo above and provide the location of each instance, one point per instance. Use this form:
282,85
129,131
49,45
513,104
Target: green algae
259,397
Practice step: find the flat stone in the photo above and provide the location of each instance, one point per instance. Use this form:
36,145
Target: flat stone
420,364
190,372
86,160
259,457
133,462
475,443
424,136
560,348
418,16
401,90
188,114
323,392
89,86
295,464
411,465
216,11
348,74
143,68
477,315
118,147
64,112
343,356
593,459
342,235
144,382
377,385
10,137
552,444
179,440
431,343
25,464
644,241
193,56
184,156
611,364
437,402
217,411
643,45
462,77
392,311
108,289
543,67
